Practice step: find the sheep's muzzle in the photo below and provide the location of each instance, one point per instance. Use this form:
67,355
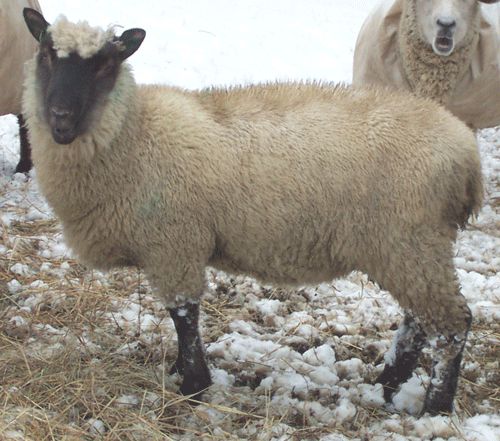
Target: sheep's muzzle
62,125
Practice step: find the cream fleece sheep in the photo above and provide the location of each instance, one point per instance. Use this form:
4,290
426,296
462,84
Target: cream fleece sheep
391,51
16,47
291,183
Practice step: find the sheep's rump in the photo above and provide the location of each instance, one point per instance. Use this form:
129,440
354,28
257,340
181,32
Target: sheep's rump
16,47
477,96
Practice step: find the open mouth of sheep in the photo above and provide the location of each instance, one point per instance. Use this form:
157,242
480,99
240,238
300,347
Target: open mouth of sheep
444,44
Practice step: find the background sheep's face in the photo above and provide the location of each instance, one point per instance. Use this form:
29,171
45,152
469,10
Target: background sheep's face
444,23
77,67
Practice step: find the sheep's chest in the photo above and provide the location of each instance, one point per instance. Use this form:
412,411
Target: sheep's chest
101,239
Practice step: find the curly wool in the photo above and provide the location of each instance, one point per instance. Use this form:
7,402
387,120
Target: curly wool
428,74
470,78
78,37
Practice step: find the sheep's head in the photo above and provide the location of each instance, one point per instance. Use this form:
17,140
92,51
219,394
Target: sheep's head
444,24
76,69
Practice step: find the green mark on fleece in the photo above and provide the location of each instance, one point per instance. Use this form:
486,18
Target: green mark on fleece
152,206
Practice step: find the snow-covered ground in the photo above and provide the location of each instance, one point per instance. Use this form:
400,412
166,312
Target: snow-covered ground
287,364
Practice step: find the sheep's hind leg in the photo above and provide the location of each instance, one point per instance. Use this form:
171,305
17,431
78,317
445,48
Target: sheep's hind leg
447,351
421,276
401,359
191,357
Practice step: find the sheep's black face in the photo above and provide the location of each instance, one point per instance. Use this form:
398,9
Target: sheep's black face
73,88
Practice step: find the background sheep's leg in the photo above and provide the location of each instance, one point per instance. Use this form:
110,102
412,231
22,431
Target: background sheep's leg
401,359
447,351
24,165
191,357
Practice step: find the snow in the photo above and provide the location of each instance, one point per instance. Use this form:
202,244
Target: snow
410,397
96,427
305,355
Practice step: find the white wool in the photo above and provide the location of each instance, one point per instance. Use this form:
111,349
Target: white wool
78,37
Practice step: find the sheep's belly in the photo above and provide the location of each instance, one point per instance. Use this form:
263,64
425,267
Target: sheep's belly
288,267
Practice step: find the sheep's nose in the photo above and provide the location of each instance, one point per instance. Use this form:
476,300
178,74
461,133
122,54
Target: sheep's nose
60,113
446,22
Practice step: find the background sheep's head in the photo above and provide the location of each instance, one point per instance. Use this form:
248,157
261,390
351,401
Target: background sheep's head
76,69
444,24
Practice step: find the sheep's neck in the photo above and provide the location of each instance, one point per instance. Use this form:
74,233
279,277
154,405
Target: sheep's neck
428,74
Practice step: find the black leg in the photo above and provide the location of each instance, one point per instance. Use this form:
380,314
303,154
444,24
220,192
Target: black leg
191,357
447,356
402,358
25,164
178,366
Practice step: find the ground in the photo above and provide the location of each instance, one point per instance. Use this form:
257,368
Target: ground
86,355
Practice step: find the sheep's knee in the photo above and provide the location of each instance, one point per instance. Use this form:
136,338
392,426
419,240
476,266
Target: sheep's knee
402,357
191,361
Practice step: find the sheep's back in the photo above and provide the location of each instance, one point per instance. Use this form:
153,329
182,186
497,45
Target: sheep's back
315,168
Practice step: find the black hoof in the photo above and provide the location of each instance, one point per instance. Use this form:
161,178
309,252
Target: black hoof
438,402
440,408
23,167
390,383
195,387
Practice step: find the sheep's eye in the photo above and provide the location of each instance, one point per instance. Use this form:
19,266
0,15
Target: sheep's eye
105,68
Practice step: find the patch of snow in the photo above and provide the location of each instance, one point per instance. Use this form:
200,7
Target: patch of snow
410,397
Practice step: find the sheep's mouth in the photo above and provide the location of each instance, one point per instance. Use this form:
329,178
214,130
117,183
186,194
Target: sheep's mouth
63,136
443,45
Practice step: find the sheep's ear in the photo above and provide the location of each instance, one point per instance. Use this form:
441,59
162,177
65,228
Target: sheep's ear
36,23
489,1
130,41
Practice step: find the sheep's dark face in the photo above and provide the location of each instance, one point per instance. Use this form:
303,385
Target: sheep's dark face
73,88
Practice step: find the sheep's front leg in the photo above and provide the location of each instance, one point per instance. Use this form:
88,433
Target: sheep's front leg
401,359
191,357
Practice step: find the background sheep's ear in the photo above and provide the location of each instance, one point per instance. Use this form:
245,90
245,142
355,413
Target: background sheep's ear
36,23
489,1
130,41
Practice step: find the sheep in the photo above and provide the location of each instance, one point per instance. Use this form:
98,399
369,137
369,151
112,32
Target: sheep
292,183
16,47
448,50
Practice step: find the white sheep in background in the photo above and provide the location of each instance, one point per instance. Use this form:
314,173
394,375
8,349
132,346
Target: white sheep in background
448,50
292,183
16,47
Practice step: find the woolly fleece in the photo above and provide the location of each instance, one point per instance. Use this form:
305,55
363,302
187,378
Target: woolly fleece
16,47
